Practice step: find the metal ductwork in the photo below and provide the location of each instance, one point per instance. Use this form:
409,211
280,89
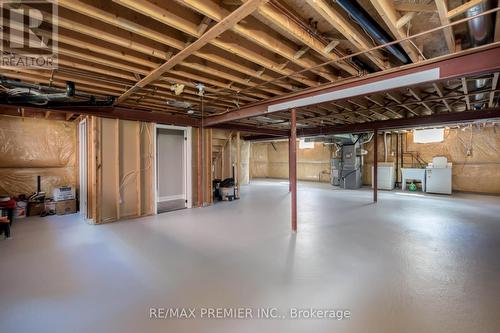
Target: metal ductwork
371,27
480,33
20,93
481,28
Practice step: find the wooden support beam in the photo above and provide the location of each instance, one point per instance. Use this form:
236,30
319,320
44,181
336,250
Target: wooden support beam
332,45
465,89
406,123
218,13
405,19
69,115
397,99
204,25
273,12
386,10
115,19
301,52
463,8
47,114
494,83
443,17
346,29
225,24
416,7
439,91
292,160
417,96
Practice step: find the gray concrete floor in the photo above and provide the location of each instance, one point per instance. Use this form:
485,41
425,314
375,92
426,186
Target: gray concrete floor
410,263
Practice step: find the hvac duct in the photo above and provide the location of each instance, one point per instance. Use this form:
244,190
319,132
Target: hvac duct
480,33
371,27
20,93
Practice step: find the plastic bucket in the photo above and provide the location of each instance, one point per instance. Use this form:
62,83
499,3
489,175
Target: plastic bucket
20,211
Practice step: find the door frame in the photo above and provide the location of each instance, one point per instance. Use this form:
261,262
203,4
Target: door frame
83,167
187,174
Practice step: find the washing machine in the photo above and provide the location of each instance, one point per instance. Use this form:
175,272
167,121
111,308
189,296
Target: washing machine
438,176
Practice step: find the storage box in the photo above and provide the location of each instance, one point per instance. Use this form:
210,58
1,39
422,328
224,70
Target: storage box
35,208
63,193
50,206
65,207
227,193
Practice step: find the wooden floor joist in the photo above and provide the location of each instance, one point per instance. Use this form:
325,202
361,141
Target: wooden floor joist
227,23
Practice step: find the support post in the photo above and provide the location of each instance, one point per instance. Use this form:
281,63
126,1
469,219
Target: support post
397,158
200,168
293,166
375,164
289,163
238,162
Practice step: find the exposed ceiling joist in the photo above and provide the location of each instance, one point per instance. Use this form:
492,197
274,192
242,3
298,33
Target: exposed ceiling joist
227,23
346,29
271,12
442,8
415,7
494,83
405,123
480,60
463,8
386,10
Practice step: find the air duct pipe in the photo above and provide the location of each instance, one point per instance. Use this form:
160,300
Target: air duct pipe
372,28
480,33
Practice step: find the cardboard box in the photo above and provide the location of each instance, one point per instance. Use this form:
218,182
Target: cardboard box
65,207
35,208
63,193
50,205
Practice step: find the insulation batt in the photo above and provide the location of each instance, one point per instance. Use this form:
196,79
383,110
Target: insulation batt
31,147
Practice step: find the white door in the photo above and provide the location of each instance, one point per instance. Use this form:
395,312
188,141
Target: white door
171,169
83,167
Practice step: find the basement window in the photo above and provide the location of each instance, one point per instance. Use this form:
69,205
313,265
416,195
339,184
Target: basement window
428,135
305,145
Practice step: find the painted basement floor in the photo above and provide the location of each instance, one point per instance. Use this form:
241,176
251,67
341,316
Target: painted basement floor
408,264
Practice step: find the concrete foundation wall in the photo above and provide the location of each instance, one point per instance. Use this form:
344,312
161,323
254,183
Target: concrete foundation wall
478,171
271,161
474,152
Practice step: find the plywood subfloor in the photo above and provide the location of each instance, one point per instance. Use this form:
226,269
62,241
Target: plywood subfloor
410,263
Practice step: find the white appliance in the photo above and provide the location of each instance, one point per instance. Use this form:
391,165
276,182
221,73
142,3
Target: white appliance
412,174
438,176
386,176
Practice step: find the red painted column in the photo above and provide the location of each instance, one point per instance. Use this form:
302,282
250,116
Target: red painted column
375,164
289,164
292,158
